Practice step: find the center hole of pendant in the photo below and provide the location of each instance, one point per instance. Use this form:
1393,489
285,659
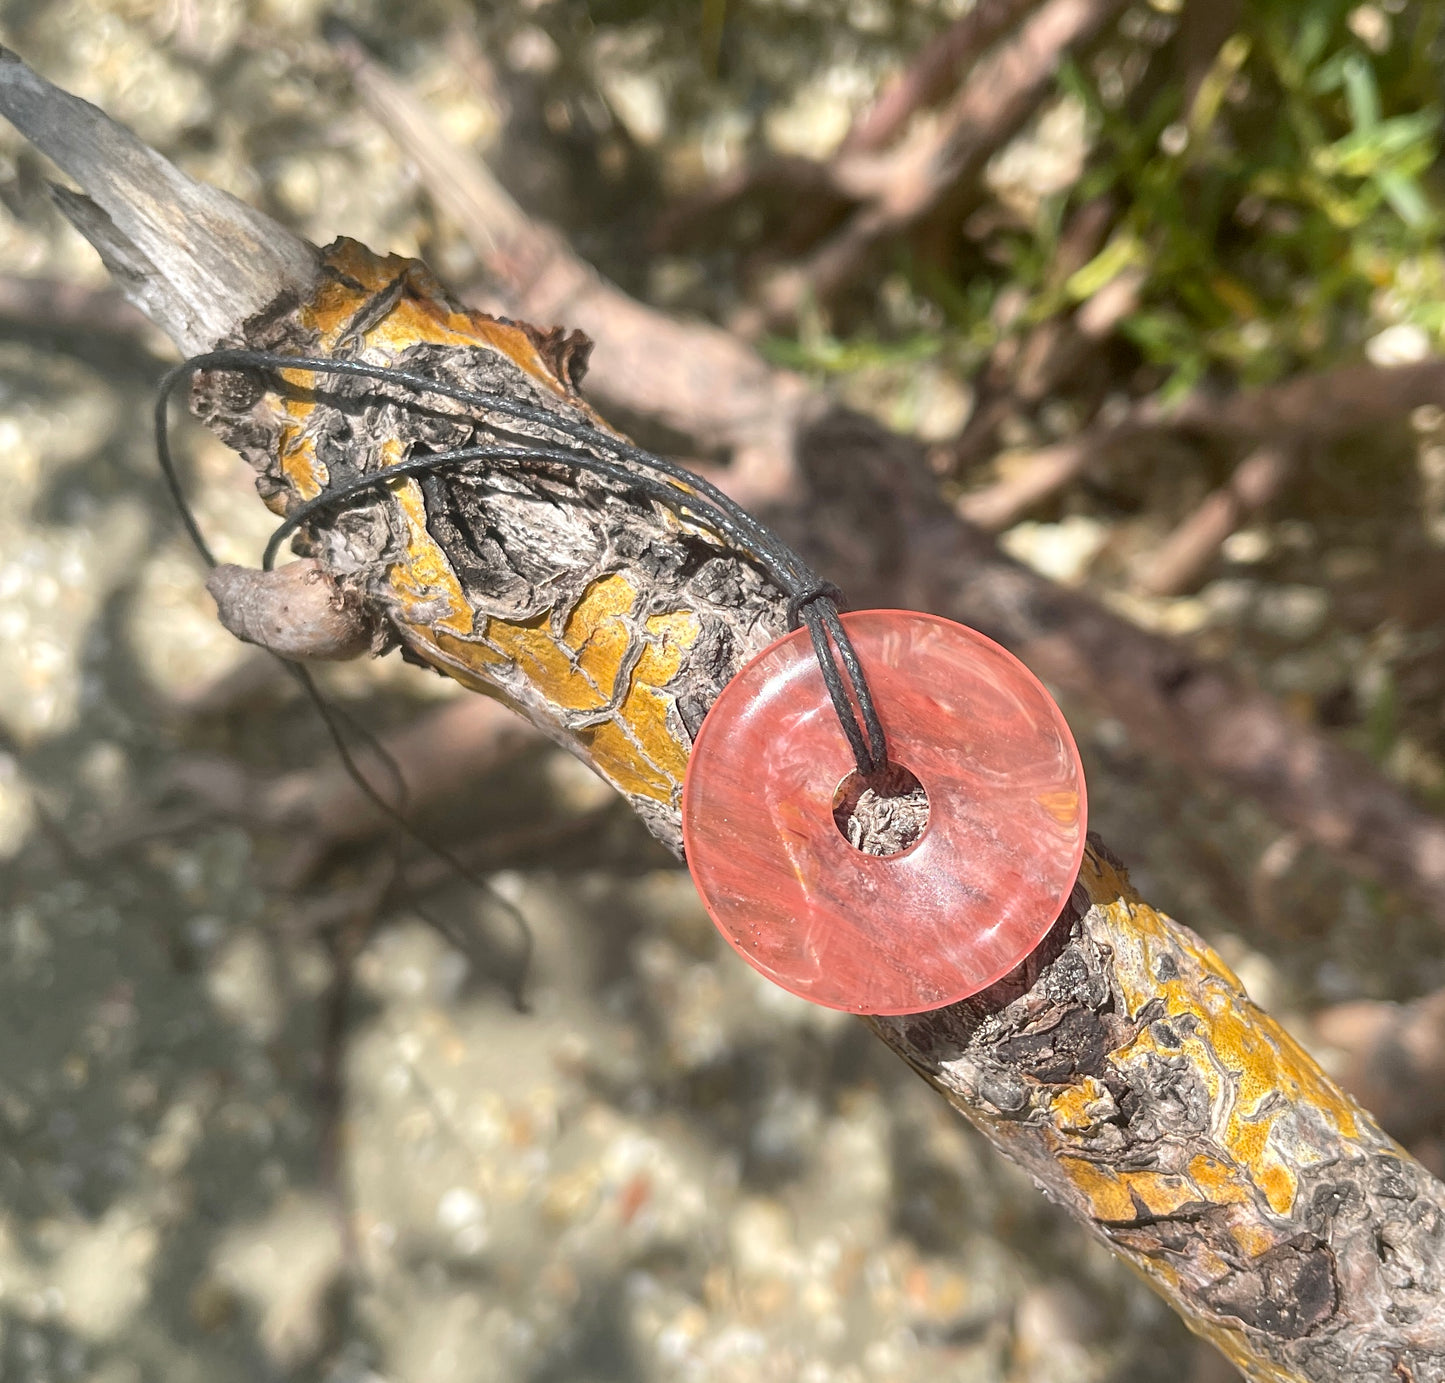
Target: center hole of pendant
881,813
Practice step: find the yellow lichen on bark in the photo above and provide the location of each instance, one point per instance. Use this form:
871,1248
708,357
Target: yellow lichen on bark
420,315
640,749
425,581
1123,1065
1206,1192
584,668
300,465
1260,1082
601,666
1269,1104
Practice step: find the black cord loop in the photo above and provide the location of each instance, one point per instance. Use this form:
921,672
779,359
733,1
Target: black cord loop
811,601
823,590
852,701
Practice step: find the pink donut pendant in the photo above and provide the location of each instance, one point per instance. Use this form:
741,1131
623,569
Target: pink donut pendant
959,908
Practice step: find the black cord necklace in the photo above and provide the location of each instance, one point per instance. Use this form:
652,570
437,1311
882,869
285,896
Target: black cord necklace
811,601
940,918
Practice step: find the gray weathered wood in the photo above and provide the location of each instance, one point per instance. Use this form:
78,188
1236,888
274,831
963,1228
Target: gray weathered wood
194,259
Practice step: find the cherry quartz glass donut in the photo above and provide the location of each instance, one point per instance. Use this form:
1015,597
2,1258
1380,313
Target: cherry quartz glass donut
968,900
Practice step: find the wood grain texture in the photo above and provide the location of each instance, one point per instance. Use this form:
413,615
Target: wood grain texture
194,259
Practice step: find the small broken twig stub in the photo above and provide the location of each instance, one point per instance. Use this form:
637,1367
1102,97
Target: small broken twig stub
297,612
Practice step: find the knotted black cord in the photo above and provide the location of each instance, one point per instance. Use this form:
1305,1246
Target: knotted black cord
811,602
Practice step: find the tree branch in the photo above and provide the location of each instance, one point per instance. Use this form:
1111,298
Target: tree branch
931,75
1179,563
1320,408
191,257
899,188
1122,1064
888,187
